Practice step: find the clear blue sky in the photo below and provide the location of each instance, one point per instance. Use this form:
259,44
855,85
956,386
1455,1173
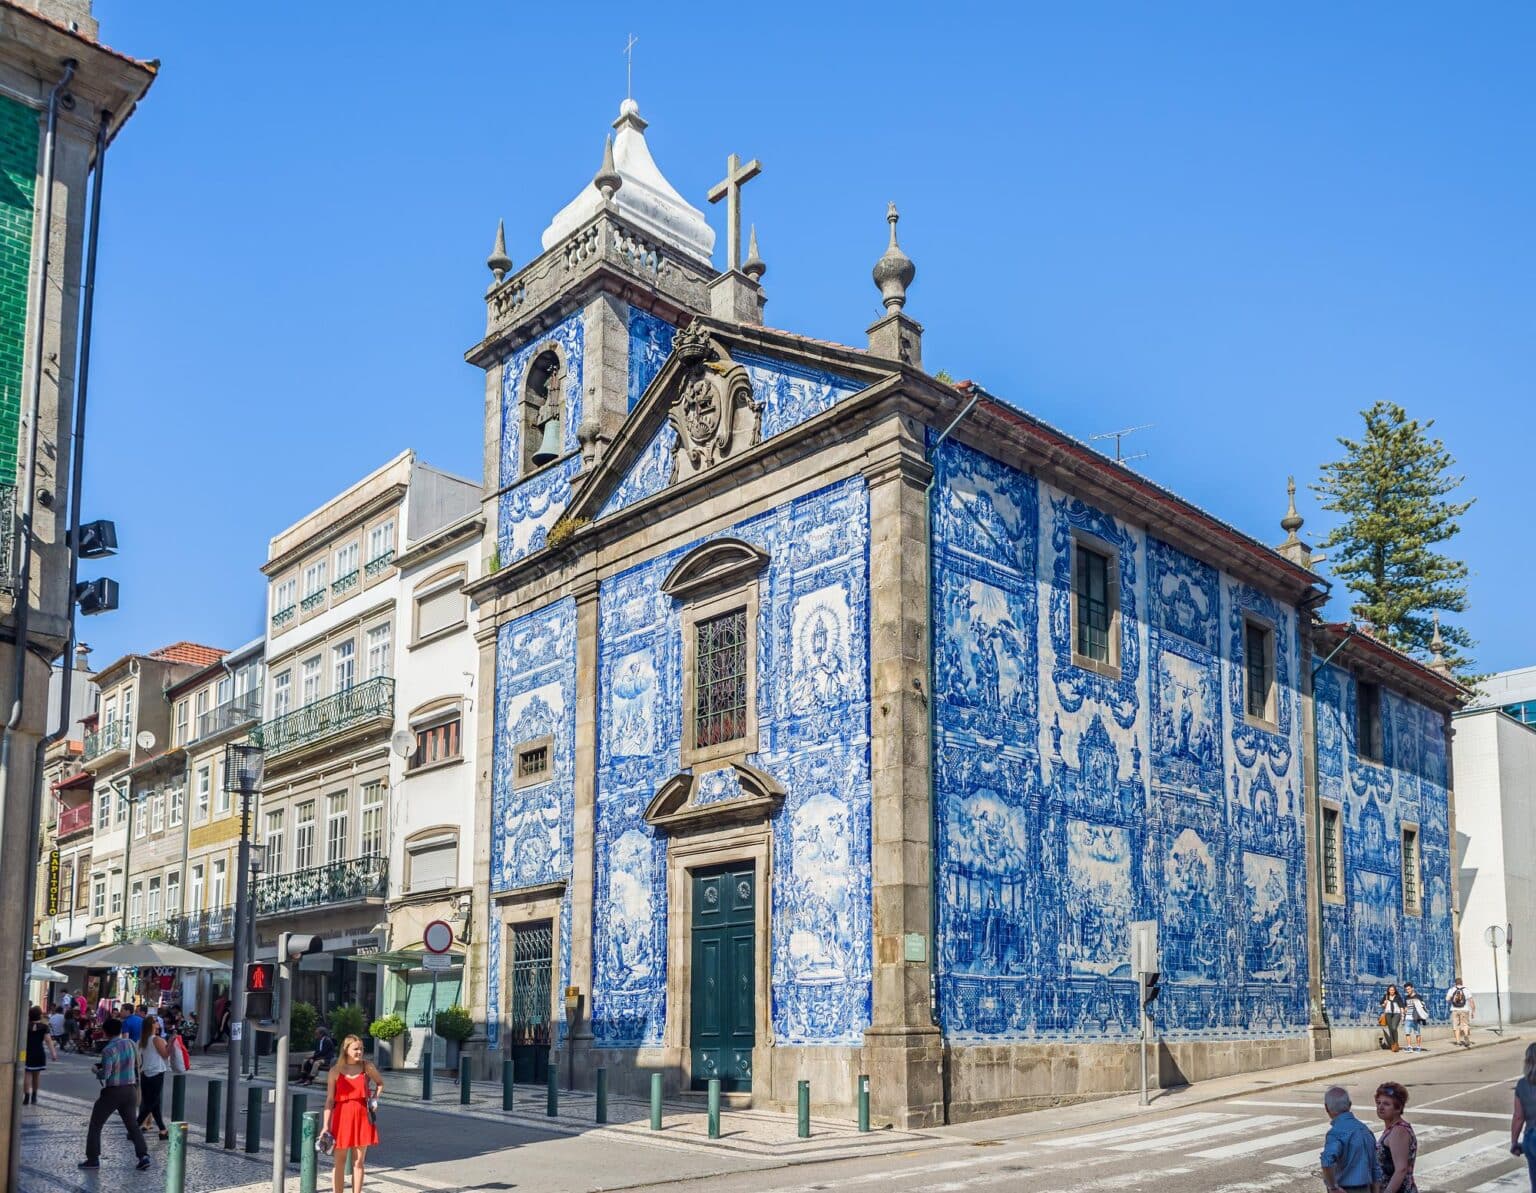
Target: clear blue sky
1238,223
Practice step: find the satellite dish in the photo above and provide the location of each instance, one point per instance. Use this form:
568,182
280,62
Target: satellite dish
146,740
403,743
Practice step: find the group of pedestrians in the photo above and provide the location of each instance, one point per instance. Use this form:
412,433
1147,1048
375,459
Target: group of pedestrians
1406,1011
1356,1161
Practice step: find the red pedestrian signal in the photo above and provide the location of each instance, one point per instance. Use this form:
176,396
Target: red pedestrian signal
260,985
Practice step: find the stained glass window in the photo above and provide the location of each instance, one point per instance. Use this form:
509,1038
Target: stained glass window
720,679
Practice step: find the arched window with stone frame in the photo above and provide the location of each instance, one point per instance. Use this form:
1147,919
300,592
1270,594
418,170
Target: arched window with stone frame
543,410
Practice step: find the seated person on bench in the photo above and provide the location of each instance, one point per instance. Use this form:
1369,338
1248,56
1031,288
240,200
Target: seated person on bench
321,1059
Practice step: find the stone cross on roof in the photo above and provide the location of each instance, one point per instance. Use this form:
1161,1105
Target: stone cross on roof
729,189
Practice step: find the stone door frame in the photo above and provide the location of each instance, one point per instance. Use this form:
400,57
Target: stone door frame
521,908
706,851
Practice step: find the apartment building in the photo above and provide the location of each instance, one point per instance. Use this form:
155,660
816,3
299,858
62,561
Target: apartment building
62,906
134,780
432,790
333,635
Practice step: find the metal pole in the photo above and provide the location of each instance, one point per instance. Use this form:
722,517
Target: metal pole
253,1119
803,1110
602,1095
552,1091
1498,999
280,1099
179,1097
237,972
463,1080
215,1102
297,1108
655,1101
1144,1099
307,1152
508,1086
176,1159
863,1102
714,1108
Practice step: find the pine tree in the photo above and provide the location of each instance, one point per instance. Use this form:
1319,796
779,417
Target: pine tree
1391,489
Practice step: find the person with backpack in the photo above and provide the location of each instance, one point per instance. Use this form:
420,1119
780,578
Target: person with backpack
1415,1014
1463,1006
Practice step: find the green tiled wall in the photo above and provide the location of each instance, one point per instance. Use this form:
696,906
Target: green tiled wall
18,176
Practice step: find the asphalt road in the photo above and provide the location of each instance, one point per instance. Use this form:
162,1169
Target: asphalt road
1263,1141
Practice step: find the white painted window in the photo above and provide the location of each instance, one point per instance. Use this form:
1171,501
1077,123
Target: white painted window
202,709
284,595
120,802
183,713
379,641
173,893
98,898
141,817
127,714
343,665
309,680
336,826
195,889
153,912
282,693
204,788
104,809
346,561
157,812
274,841
220,887
136,905
381,540
304,836
115,907
314,578
371,843
178,804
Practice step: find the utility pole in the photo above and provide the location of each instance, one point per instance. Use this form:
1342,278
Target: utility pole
1495,937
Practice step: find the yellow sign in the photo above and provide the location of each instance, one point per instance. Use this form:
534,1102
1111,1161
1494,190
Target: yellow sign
53,882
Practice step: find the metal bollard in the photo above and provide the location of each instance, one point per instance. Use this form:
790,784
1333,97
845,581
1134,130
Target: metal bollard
426,1075
655,1101
803,1110
714,1108
179,1097
602,1095
307,1159
296,1107
463,1081
176,1159
253,1097
552,1097
508,1085
863,1102
215,1105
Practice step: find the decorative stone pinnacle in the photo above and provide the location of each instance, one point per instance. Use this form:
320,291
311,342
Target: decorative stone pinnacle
1292,521
608,179
753,266
498,262
894,272
1438,661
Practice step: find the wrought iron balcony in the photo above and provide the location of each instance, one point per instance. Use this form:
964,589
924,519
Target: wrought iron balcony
167,930
212,927
283,616
367,701
109,737
323,886
379,562
313,601
345,583
241,710
73,820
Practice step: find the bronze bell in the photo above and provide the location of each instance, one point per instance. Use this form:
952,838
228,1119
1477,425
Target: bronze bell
548,450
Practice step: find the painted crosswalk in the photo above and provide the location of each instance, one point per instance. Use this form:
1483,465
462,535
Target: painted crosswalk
1308,1158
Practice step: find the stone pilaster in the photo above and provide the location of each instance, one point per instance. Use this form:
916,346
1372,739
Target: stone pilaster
1319,1034
486,1060
903,1051
897,337
605,366
582,844
736,298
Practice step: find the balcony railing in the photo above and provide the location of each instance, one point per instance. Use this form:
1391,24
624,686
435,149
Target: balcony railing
366,701
378,563
283,616
345,583
241,710
111,736
313,601
203,928
74,820
167,930
322,886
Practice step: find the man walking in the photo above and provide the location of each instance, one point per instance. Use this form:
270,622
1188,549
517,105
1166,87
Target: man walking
119,1073
1462,1005
1415,1015
133,1025
1349,1152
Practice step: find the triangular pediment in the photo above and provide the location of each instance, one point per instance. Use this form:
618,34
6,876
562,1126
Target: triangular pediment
700,411
733,794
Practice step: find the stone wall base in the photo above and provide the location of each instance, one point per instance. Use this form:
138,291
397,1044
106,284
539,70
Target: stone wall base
1351,1039
984,1080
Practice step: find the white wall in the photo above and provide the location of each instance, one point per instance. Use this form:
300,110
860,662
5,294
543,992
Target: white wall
1495,776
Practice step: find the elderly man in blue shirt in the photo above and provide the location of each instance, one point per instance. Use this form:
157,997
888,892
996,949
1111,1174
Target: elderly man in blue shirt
1349,1152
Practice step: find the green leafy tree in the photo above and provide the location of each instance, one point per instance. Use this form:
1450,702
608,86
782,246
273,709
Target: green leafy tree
1392,492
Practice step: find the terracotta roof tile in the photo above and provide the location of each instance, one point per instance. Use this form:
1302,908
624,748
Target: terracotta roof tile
188,652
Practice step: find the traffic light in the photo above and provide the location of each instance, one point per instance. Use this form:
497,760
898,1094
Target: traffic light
291,945
1149,984
261,991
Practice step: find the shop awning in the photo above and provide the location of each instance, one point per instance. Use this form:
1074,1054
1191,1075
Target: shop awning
404,958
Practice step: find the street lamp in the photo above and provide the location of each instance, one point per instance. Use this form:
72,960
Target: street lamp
242,773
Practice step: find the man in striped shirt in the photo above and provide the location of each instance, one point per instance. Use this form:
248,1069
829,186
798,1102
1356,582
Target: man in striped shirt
119,1073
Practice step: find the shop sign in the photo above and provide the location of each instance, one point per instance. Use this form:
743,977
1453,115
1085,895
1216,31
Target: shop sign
53,882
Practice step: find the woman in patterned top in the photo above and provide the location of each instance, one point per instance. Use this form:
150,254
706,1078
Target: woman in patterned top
1398,1146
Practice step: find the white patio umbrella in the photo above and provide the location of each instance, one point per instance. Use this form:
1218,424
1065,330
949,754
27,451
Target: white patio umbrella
41,973
133,953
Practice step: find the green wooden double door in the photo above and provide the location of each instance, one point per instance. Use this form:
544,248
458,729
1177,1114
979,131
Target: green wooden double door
724,994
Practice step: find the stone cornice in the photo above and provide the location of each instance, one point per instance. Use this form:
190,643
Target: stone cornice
1384,664
455,534
386,500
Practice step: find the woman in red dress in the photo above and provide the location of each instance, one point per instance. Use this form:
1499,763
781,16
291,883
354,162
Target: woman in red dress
348,1111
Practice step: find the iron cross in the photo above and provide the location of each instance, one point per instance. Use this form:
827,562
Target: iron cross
629,66
730,190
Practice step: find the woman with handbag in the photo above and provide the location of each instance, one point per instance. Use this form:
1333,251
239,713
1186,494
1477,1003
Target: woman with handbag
351,1098
1391,1016
155,1062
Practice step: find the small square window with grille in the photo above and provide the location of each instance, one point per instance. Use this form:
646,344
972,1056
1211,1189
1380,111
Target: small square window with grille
1333,879
533,762
720,679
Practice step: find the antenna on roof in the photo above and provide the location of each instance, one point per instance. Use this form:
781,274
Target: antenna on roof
1117,436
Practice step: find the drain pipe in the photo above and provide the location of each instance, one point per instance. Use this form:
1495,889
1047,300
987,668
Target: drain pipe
22,527
976,393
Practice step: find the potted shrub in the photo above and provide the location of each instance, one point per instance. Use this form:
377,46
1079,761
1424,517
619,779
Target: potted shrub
348,1021
455,1026
385,1030
303,1020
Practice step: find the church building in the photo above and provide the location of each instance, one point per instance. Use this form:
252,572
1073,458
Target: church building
846,720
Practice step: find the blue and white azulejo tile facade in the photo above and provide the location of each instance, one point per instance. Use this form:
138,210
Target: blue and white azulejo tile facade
1370,939
812,702
1071,802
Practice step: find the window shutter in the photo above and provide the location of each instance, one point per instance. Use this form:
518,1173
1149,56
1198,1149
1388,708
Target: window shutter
439,610
435,867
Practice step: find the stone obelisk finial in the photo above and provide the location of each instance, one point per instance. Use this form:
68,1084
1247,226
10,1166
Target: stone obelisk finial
1293,548
608,179
498,262
897,336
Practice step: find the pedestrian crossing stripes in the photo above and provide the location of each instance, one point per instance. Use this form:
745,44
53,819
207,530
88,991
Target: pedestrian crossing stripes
1162,1142
1308,1158
1515,1181
1133,1130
